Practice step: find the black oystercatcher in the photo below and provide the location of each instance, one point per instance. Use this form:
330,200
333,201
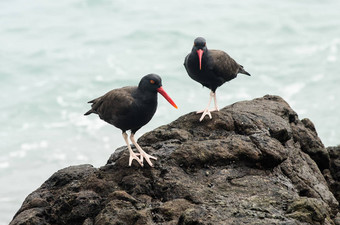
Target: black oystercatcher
211,68
130,108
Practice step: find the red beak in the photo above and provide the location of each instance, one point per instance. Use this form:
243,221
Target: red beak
166,96
200,53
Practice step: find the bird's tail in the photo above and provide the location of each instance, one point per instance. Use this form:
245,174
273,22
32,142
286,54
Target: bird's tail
92,106
241,70
89,112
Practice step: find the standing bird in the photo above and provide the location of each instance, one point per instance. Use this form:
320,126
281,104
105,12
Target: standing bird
211,68
130,108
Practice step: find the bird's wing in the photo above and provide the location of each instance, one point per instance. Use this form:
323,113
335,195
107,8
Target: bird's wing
115,102
186,61
223,65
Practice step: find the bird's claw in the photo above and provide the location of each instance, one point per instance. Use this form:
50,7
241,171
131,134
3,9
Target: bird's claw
207,111
204,113
134,156
147,158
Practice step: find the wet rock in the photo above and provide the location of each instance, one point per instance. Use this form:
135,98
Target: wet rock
255,162
333,174
305,134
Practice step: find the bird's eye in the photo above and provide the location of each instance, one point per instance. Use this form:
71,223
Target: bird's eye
152,81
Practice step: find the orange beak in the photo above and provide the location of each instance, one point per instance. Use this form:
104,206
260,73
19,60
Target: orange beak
200,53
166,96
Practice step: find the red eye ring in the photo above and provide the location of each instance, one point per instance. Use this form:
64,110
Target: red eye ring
152,81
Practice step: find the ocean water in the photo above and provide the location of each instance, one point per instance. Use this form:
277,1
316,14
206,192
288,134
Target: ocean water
57,55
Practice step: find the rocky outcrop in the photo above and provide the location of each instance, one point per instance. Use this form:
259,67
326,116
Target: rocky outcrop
255,162
332,174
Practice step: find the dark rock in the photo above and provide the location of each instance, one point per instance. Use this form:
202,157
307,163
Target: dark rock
304,133
255,162
310,210
333,174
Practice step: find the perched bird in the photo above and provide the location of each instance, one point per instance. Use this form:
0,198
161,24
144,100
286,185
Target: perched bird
130,108
211,68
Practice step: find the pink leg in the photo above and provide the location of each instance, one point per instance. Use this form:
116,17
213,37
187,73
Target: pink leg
215,103
207,111
143,154
132,154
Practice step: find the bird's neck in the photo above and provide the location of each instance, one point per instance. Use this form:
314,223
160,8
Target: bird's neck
146,96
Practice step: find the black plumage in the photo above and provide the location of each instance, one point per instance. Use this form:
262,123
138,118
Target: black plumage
211,68
130,108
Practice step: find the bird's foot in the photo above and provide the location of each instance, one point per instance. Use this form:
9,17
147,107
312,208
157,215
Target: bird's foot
207,111
135,156
142,153
204,113
147,157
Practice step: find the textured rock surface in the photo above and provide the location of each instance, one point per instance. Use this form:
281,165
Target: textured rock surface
332,174
255,162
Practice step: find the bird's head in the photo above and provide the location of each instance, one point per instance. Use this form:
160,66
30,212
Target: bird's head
153,83
200,46
150,82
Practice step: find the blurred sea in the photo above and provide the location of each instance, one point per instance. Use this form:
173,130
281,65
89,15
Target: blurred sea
57,55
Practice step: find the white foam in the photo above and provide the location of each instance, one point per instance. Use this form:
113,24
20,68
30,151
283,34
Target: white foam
26,147
99,78
18,154
90,124
59,156
55,125
331,97
106,139
4,165
307,50
61,102
25,126
82,158
292,89
317,77
331,58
